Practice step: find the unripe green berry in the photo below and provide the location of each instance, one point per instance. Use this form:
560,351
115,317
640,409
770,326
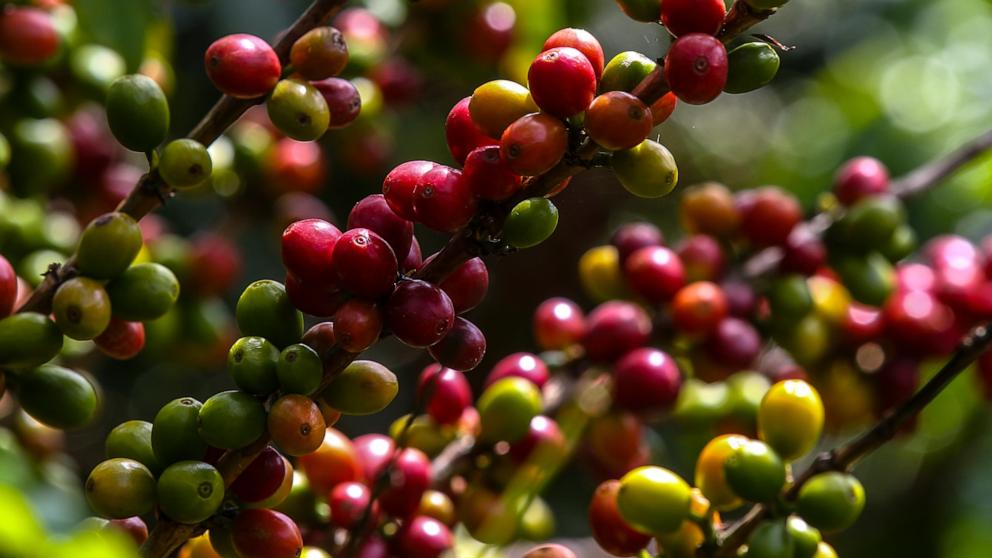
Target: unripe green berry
530,223
231,420
108,245
770,539
185,163
138,112
654,500
264,310
190,491
28,339
133,440
363,388
624,71
299,370
298,110
831,501
751,66
120,488
252,363
144,292
81,308
175,432
647,170
57,396
506,409
755,472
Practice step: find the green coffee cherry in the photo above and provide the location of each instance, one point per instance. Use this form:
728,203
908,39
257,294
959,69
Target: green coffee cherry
57,396
108,245
96,67
41,155
120,488
138,112
900,245
870,279
231,420
185,163
133,440
143,292
873,221
770,539
831,501
744,393
506,408
363,388
37,97
647,170
624,71
298,109
299,370
807,340
28,339
252,362
538,522
190,491
789,298
81,308
4,152
264,310
648,11
175,432
654,500
530,223
755,472
751,66
806,538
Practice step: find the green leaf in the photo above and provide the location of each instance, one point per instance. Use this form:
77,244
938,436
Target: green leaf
119,25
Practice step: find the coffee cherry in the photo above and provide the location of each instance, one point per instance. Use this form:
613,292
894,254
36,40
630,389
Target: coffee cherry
231,420
8,287
530,223
488,175
543,437
663,108
770,539
175,432
789,298
242,66
768,215
442,199
682,17
562,81
495,105
424,537
374,213
648,11
342,98
617,120
580,40
320,53
364,263
438,505
418,313
533,144
506,408
261,479
696,68
133,527
709,209
609,528
870,279
307,247
190,491
357,325
625,71
144,292
558,324
313,297
600,274
364,387
298,109
462,348
805,538
467,285
655,272
333,463
831,501
408,476
28,36
520,365
299,369
414,258
734,343
804,252
751,66
448,393
264,310
614,329
711,476
57,396
108,245
119,488
348,502
81,308
399,185
702,257
754,472
790,418
871,222
138,112
646,380
185,163
133,440
647,170
252,362
295,424
266,534
698,308
859,178
462,133
653,500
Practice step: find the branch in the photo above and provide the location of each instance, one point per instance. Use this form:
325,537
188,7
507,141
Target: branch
740,18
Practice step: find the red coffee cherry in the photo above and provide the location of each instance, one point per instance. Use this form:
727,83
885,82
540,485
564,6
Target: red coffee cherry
260,533
467,285
348,502
663,108
357,325
27,36
951,251
462,134
242,66
336,461
443,201
423,537
859,178
408,477
803,252
734,343
418,313
616,443
654,272
631,237
306,249
462,348
414,258
490,31
296,166
262,478
862,324
698,307
682,17
741,298
614,329
121,340
364,263
399,184
895,383
558,323
702,258
696,68
918,321
534,144
544,437
372,452
768,215
373,213
582,41
562,81
134,527
399,81
646,380
488,175
343,100
618,120
214,263
609,528
316,298
448,391
521,365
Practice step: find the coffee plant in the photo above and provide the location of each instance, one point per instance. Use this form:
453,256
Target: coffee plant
698,382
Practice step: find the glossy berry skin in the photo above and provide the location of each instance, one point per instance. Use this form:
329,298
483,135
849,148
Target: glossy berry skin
357,325
696,68
8,287
520,365
790,418
530,222
609,528
614,329
261,533
242,66
488,175
582,41
364,264
653,500
533,144
804,252
314,297
374,213
414,258
618,120
734,343
333,463
418,313
496,104
306,249
647,170
264,309
630,237
646,380
702,258
462,133
562,81
543,437
710,477
298,110
81,308
442,200
348,502
121,340
462,348
373,451
119,488
648,11
558,323
467,286
755,472
185,163
409,477
655,272
108,245
506,408
231,420
137,112
768,215
448,390
190,491
710,209
699,307
342,98
296,424
261,479
682,17
399,185
831,501
423,537
320,53
27,36
860,178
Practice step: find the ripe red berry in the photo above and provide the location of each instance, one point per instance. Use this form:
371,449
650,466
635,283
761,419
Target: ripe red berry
242,66
372,451
803,252
520,365
261,533
418,313
544,437
488,175
696,68
631,237
582,41
734,343
357,325
862,324
408,477
462,134
558,323
698,307
373,213
895,383
654,272
364,264
262,478
702,257
134,527
296,166
664,107
414,258
399,184
306,249
646,380
467,285
609,528
423,537
214,264
316,298
442,199
27,36
342,99
399,81
614,329
121,340
682,17
462,348
618,120
860,178
917,320
490,30
348,502
534,144
337,460
562,81
768,215
449,393
741,298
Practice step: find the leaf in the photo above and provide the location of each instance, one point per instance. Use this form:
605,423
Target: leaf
119,25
